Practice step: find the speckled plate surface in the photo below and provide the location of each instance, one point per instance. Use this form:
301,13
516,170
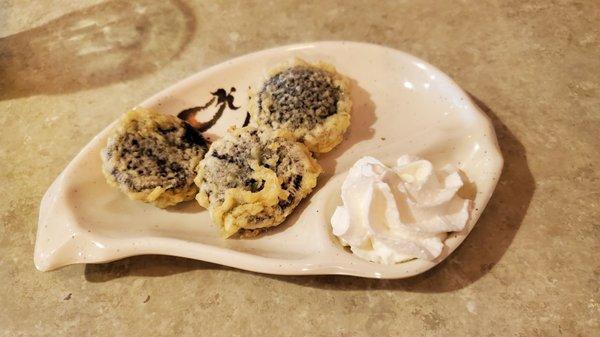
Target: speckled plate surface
401,105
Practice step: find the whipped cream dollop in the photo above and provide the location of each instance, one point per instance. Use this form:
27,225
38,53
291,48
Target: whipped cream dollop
391,215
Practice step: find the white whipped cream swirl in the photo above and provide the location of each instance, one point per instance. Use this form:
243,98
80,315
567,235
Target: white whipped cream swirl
393,215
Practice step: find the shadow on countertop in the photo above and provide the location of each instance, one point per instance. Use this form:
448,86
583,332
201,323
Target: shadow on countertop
478,254
112,42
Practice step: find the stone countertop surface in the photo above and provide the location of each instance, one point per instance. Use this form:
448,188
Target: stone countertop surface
531,266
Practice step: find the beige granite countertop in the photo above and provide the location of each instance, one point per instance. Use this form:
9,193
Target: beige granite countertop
531,266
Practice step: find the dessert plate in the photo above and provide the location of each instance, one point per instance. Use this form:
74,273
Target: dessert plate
402,105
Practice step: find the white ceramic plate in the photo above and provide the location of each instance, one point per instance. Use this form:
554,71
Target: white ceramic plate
401,105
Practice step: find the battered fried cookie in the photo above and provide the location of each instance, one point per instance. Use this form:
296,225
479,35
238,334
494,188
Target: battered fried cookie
253,178
312,101
152,157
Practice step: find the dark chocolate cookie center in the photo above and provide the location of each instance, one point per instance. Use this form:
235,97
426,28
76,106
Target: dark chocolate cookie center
233,169
148,162
302,96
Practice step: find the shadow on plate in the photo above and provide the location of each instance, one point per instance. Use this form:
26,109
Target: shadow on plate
190,206
112,42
